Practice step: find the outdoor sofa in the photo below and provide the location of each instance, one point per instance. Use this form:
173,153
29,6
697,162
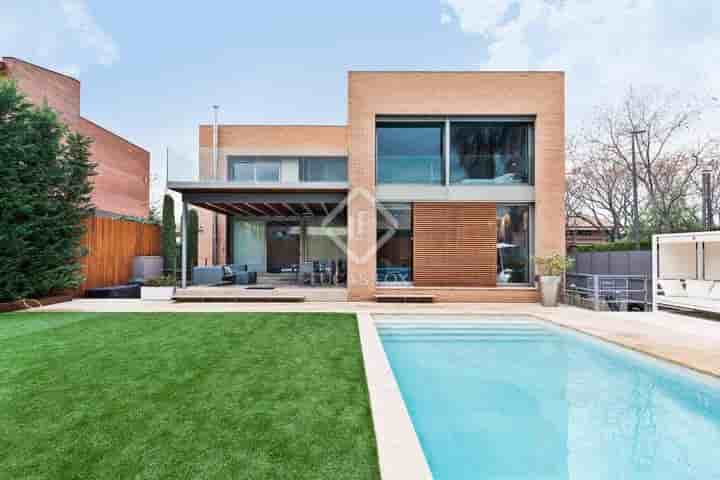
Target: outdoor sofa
698,295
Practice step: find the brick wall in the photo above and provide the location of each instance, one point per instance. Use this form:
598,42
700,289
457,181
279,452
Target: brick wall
60,92
122,183
453,93
257,140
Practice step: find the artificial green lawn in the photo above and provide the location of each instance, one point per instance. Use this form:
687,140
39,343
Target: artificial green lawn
276,396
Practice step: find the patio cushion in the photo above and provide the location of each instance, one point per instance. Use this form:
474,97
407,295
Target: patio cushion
672,288
698,288
715,292
207,275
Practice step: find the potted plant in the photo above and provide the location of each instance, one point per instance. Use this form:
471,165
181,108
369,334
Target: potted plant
158,288
550,271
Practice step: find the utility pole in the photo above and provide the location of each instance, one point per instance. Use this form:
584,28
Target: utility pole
636,213
214,177
707,197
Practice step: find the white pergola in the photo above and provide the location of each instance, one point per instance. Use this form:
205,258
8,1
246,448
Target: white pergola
692,259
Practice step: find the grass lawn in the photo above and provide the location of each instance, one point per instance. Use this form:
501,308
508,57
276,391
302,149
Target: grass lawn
276,396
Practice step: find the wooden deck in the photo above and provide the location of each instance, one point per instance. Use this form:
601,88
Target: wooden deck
404,298
239,293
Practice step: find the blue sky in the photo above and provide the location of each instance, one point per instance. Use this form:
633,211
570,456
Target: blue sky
151,70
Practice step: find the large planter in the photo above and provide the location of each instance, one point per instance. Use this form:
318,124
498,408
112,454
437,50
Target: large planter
146,267
157,293
549,290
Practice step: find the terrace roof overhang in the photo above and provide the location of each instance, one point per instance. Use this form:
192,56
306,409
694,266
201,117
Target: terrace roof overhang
284,201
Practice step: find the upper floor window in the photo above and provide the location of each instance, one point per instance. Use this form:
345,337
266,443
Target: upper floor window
490,152
323,169
253,169
410,152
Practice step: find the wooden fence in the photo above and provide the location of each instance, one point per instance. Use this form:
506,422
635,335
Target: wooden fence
111,245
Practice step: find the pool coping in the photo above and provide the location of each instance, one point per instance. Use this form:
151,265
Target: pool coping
400,454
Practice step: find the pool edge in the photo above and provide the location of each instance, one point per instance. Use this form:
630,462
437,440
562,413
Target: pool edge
400,454
629,346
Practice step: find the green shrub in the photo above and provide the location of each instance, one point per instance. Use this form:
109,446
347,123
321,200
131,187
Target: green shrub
553,265
619,246
45,194
164,281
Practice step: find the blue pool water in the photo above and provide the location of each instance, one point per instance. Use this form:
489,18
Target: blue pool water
522,400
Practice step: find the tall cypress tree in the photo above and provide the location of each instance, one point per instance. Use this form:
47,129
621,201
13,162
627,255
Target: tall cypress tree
192,238
168,235
45,195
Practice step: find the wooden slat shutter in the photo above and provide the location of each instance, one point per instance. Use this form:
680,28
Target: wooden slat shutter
454,244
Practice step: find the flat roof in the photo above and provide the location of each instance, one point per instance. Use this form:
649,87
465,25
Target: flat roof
211,186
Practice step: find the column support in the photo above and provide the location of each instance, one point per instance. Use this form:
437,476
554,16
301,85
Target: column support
655,272
184,221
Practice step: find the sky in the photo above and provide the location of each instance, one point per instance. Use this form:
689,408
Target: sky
151,70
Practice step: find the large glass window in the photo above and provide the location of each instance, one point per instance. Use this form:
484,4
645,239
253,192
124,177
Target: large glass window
410,152
323,169
513,244
395,243
490,152
253,169
249,244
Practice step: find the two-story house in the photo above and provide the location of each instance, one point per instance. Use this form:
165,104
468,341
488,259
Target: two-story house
441,183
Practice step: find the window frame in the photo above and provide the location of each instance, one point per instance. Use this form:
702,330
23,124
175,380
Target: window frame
410,120
302,160
388,206
448,120
531,242
254,160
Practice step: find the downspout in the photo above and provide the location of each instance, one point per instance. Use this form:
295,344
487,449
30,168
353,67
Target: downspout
214,176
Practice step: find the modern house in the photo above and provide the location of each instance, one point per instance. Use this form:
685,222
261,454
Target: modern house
442,184
122,180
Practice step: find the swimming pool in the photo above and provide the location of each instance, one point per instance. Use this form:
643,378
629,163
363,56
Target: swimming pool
521,399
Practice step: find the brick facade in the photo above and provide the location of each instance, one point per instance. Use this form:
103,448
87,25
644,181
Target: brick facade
257,140
540,95
122,183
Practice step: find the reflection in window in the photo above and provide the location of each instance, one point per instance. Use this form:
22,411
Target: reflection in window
394,237
513,244
323,169
490,152
253,169
410,152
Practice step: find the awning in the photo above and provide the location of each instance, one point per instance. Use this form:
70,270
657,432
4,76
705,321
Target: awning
272,201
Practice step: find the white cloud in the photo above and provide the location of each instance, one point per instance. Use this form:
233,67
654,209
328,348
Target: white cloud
59,34
78,18
603,45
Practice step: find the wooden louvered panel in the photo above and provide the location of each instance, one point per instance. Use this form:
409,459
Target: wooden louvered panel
454,244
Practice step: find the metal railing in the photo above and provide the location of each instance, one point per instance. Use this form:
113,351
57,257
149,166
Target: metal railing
607,292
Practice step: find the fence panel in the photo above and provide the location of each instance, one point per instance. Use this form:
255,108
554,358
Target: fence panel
111,245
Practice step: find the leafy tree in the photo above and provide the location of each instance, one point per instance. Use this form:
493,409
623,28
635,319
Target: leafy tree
169,242
45,193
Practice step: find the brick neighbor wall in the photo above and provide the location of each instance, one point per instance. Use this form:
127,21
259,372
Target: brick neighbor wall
40,85
122,182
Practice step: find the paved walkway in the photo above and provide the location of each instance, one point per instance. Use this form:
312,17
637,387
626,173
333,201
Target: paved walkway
689,341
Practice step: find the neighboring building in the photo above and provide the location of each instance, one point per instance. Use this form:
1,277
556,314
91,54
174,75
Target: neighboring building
579,232
122,180
441,183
